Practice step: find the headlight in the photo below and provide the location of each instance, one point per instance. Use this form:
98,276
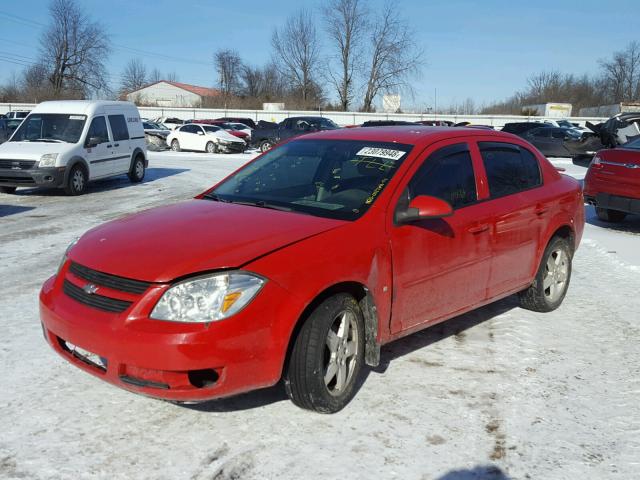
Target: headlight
48,160
209,298
66,252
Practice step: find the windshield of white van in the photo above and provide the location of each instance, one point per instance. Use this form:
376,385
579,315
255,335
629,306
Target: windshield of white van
51,128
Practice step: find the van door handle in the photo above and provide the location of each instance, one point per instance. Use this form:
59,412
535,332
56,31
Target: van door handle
116,144
109,146
478,229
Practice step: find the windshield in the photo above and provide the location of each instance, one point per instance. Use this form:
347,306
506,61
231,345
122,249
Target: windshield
328,178
50,127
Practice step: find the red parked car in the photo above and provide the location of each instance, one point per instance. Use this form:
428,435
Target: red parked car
225,126
301,264
612,182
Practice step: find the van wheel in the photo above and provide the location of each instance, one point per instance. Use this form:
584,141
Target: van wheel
265,145
77,181
175,145
608,215
327,356
136,173
549,288
8,189
211,147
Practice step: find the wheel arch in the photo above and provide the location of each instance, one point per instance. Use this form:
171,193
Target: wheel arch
365,300
72,163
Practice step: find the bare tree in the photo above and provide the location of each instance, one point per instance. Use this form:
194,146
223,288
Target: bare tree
296,53
172,77
621,74
345,22
228,65
155,76
134,76
393,56
74,49
35,83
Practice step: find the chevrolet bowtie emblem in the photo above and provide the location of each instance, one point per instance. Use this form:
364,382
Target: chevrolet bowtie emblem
90,288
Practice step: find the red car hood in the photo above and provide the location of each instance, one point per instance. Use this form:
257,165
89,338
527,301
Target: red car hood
165,243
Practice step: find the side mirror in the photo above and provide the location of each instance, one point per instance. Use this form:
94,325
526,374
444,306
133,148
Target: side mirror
93,142
424,207
200,132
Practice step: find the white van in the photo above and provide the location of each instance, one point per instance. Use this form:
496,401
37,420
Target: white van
68,143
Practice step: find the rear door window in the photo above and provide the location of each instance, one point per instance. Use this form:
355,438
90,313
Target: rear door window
118,127
447,174
510,168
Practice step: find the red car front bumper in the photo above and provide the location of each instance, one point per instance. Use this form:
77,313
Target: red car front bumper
170,360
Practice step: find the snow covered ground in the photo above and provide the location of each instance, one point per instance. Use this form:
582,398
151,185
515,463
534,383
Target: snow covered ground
500,393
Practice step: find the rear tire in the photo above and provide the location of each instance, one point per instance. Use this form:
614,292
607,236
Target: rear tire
551,283
608,215
77,181
327,356
137,171
8,189
175,145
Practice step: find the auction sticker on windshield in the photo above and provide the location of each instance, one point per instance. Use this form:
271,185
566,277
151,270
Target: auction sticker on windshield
381,153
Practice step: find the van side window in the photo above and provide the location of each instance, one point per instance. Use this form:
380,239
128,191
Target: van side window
118,127
510,168
447,174
98,129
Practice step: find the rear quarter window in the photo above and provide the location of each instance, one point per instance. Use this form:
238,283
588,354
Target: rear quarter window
510,168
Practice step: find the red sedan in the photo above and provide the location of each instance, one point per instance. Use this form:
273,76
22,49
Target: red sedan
225,126
612,182
301,264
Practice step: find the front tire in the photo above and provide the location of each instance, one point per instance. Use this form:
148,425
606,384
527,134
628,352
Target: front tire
265,145
136,173
7,189
608,215
211,147
77,181
175,145
549,288
327,356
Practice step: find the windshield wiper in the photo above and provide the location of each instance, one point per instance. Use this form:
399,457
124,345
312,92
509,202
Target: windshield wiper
47,140
215,198
261,204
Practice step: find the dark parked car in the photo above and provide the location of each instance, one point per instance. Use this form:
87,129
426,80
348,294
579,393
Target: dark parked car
7,127
266,137
247,121
520,128
387,123
563,142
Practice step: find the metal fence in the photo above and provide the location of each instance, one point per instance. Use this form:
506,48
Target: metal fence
341,118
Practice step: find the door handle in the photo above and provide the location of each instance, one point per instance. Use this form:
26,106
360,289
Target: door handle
109,146
478,229
116,144
541,209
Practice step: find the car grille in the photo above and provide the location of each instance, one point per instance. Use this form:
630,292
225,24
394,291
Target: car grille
106,280
16,164
93,300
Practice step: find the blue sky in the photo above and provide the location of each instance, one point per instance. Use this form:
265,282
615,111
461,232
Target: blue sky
484,50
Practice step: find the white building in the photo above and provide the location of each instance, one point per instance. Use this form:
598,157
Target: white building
171,94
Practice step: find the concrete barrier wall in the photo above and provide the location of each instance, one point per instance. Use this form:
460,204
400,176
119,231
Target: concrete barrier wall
341,118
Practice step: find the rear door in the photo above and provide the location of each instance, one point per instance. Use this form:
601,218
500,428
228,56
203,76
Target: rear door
121,151
520,211
441,266
620,169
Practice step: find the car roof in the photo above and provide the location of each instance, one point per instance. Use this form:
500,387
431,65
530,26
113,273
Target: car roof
82,107
409,134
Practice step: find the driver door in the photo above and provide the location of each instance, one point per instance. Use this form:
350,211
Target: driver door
98,154
441,266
